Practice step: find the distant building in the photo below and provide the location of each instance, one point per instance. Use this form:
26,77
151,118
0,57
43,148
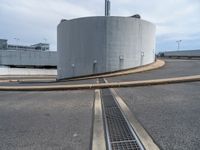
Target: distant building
3,44
39,46
181,53
21,56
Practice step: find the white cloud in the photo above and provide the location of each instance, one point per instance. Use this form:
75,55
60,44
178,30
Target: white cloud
33,20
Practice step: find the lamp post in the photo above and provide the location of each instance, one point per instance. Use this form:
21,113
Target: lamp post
107,7
45,41
17,42
178,44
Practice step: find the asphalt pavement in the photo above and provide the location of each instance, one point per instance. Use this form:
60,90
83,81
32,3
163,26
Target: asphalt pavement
46,120
172,68
169,113
62,120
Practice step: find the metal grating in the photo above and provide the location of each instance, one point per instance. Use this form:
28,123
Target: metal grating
120,136
118,128
129,145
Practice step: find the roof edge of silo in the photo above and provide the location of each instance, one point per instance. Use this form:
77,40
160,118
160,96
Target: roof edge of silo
136,16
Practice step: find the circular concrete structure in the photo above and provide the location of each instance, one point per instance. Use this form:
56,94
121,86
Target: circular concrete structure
103,44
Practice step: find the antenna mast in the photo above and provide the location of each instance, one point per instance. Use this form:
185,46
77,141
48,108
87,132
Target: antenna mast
107,7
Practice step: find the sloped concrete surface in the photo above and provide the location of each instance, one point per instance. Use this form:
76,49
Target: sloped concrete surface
172,68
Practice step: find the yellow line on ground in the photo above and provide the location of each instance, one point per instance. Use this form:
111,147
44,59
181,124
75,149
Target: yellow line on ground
102,85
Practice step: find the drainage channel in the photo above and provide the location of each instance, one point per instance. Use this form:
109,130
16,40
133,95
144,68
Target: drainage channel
119,133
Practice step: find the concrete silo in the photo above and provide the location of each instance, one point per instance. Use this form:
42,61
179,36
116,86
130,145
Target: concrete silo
95,45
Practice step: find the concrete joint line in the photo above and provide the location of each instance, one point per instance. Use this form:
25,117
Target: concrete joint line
98,140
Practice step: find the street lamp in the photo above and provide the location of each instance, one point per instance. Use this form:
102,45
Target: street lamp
45,42
178,44
107,7
17,42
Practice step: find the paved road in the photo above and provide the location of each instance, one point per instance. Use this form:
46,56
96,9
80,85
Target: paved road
173,68
46,120
63,120
170,113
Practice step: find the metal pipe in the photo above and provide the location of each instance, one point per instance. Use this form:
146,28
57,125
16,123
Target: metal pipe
107,7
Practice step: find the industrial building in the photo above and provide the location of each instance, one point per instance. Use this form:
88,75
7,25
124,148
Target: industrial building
181,53
39,46
94,45
21,56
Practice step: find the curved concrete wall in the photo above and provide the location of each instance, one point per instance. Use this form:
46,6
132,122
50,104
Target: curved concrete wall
103,44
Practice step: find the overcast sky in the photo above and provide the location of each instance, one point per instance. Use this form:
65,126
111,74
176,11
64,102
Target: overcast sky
35,21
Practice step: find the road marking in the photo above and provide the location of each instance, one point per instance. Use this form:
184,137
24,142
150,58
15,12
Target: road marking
103,85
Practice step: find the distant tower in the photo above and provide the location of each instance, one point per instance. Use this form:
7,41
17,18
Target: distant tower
107,7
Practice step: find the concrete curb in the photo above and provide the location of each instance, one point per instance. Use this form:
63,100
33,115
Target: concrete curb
156,65
98,138
102,85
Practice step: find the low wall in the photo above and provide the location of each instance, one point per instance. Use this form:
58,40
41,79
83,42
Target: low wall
28,58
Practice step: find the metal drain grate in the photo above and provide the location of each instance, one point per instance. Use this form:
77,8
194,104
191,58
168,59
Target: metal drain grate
119,136
129,145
